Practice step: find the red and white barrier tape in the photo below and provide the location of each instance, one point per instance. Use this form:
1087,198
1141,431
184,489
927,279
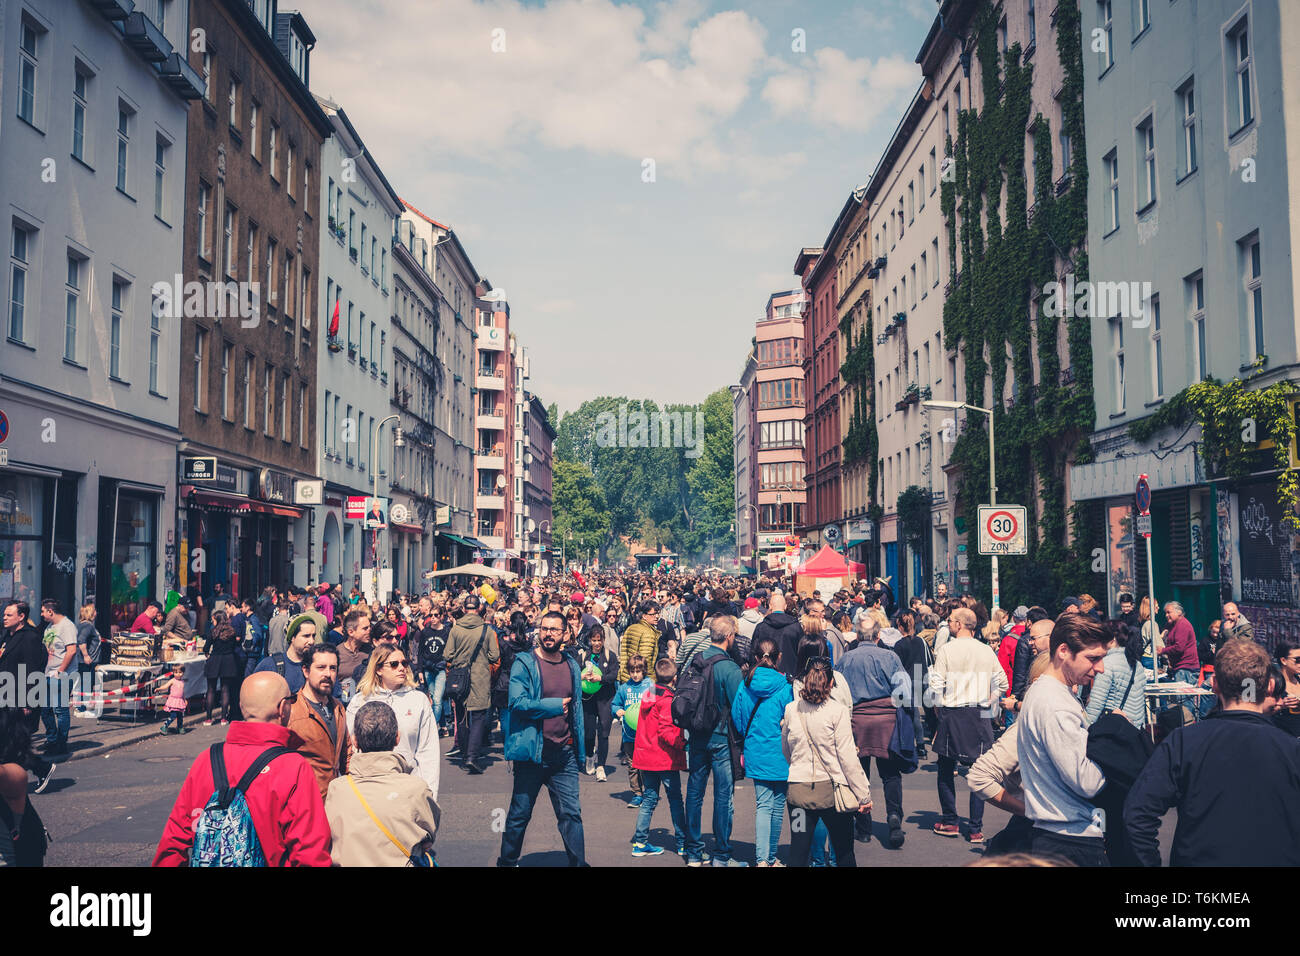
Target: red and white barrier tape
120,690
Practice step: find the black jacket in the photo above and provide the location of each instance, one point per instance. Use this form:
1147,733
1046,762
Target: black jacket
1235,779
23,646
1020,666
787,632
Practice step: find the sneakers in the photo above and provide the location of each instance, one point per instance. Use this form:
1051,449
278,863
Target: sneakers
453,752
694,862
947,829
44,781
590,767
896,835
473,767
975,836
731,863
776,863
646,849
600,774
635,801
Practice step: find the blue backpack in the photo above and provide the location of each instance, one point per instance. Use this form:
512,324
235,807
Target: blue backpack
224,834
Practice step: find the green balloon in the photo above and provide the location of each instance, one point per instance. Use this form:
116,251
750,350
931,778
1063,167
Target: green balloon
590,679
631,715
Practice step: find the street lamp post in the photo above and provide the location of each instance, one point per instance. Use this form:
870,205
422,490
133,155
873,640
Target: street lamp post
546,522
753,508
993,475
398,442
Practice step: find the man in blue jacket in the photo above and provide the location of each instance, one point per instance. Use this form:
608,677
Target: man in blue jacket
544,737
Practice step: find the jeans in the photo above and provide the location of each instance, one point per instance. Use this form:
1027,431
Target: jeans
820,854
1081,851
633,775
701,759
57,720
471,733
891,775
802,837
596,722
1198,705
948,796
672,781
559,772
436,681
769,811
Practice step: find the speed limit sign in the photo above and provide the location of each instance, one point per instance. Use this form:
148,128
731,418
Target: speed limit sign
1002,530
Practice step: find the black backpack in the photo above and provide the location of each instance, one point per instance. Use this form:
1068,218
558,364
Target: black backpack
695,704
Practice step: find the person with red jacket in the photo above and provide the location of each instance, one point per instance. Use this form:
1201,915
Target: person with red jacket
660,755
284,801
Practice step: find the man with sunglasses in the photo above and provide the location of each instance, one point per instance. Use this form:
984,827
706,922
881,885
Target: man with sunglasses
544,738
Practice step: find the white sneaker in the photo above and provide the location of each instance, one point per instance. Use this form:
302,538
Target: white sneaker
588,769
600,774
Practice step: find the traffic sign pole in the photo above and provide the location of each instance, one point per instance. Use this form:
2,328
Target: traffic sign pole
1143,498
993,500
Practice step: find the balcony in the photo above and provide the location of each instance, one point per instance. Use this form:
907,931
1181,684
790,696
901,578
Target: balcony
490,338
491,419
182,78
143,36
484,502
495,541
114,9
489,382
492,459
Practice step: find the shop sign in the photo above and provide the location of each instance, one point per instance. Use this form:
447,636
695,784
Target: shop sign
201,468
274,485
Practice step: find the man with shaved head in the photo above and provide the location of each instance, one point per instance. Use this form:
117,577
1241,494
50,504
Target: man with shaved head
283,799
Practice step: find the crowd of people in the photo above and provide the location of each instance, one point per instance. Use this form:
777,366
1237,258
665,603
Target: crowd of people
338,707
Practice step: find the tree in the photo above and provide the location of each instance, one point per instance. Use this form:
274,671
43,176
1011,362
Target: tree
579,506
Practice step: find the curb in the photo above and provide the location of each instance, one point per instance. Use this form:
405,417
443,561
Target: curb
109,747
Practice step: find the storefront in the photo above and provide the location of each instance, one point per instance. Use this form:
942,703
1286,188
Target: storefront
127,541
38,521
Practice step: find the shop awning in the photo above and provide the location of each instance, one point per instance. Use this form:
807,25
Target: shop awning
405,528
236,503
454,537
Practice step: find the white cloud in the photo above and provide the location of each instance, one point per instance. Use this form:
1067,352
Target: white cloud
830,88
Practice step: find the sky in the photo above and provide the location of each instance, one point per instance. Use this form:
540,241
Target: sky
531,128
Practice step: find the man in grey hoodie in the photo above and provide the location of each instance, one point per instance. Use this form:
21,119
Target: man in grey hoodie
1058,778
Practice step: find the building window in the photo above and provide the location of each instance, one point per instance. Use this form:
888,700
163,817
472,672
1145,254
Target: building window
1241,112
1033,27
275,150
19,255
200,369
123,144
1067,157
1146,163
80,85
228,236
28,59
248,390
1157,354
254,108
1196,313
304,296
205,196
117,308
1141,16
160,149
227,384
271,275
288,288
327,440
1111,162
364,270
911,204
1254,287
208,74
155,344
347,423
934,257
72,313
268,386
232,100
250,230
1187,142
1105,16
288,171
286,433
1117,359
306,187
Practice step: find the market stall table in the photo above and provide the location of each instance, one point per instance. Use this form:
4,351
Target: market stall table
1162,695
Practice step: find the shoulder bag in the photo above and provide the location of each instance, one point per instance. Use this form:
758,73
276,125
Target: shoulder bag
810,797
419,855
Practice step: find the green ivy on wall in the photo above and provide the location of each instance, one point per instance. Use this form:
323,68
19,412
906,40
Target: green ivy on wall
1230,414
859,370
1005,255
914,514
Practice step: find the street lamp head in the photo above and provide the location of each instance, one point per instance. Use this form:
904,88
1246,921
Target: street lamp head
939,404
399,440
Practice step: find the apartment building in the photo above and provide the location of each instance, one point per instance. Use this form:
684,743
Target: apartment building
778,426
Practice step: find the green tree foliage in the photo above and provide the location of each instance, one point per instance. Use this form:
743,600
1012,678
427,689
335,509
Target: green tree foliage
579,504
677,494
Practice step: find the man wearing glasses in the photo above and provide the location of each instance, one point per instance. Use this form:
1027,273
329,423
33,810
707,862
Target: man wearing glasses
544,739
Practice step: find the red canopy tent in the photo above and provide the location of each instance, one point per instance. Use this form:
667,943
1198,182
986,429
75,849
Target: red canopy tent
826,571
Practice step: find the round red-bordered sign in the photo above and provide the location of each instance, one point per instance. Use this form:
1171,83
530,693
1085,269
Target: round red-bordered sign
988,525
4,427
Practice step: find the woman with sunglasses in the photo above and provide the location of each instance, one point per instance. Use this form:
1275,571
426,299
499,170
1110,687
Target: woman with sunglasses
388,678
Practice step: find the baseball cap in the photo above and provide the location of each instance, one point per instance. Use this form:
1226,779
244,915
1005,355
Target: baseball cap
1068,601
751,603
577,597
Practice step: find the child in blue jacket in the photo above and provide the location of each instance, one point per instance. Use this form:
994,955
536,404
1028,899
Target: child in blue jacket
626,706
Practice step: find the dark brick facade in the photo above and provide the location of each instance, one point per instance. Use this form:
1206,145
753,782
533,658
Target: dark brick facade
221,160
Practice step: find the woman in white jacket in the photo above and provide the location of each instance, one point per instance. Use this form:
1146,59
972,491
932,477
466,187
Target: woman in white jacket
388,678
817,736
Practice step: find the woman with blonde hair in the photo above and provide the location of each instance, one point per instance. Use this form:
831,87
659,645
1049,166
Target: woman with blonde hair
826,780
89,643
992,632
388,678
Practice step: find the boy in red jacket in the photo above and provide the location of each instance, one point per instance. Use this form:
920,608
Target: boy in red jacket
284,801
660,755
